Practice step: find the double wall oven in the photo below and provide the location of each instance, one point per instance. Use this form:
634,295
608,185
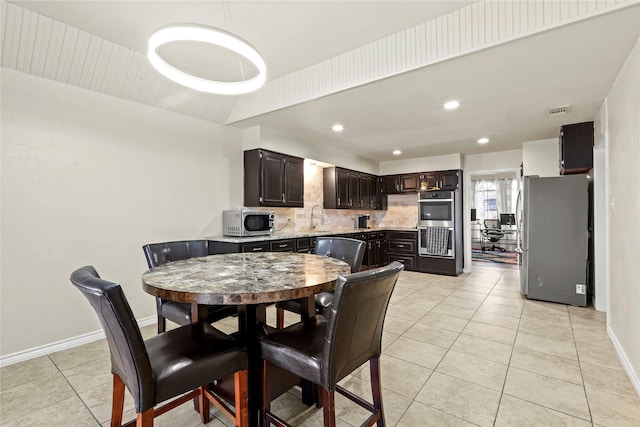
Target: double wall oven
436,224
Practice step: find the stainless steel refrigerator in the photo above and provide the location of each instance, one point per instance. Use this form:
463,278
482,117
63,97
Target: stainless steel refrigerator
555,239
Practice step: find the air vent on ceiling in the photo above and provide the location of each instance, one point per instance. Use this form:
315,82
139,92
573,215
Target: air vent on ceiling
558,111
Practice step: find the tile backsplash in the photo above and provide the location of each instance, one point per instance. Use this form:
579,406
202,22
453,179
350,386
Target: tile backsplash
402,210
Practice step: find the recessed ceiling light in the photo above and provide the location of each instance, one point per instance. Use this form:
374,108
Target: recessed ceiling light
451,105
483,140
337,127
397,152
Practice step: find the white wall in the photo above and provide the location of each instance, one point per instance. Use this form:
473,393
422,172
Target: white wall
623,182
89,179
272,139
541,157
498,161
421,164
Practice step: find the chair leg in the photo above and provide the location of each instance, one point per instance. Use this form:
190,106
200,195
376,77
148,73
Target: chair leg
376,389
241,398
162,324
117,401
203,404
265,405
279,318
329,408
145,419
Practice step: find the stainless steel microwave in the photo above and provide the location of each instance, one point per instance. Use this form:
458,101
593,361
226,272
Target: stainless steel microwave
247,223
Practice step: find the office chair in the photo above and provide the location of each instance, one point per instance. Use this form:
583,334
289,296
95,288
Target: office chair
493,234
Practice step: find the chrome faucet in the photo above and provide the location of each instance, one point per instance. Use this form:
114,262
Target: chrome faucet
313,226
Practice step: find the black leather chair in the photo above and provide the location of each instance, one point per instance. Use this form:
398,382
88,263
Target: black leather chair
324,350
180,312
350,251
183,360
493,234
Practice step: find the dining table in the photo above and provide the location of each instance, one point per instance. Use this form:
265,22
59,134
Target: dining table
250,281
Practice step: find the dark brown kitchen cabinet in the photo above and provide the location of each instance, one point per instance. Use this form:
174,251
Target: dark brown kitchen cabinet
576,148
273,179
347,189
403,246
395,184
440,180
409,183
391,184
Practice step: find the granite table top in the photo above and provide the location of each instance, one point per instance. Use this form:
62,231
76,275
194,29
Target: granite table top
244,278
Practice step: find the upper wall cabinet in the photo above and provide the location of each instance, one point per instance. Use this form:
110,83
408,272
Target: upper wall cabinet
576,148
395,184
347,189
273,179
440,180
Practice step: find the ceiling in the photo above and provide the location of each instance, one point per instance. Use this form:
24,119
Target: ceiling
504,88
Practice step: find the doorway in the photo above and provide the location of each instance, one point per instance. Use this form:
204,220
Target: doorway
491,235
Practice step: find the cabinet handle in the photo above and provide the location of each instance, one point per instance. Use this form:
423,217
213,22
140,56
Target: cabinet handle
400,246
256,249
350,202
284,245
338,201
282,197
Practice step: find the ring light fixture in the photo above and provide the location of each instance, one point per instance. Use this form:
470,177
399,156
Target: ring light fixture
214,36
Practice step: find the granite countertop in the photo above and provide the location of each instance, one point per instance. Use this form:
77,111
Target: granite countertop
284,234
244,278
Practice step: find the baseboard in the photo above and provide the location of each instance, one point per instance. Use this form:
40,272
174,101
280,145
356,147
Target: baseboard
65,344
633,376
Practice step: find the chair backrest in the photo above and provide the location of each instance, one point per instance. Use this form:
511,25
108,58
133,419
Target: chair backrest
348,250
355,320
162,253
492,223
129,358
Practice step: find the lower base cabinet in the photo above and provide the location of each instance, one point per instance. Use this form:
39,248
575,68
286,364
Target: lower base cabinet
449,267
402,246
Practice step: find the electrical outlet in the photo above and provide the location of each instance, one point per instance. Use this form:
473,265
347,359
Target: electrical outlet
581,289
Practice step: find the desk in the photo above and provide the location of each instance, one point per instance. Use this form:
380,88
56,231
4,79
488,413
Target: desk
249,280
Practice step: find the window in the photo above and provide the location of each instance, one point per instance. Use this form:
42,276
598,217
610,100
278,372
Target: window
486,203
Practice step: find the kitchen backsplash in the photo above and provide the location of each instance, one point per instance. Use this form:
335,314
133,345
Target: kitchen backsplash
402,210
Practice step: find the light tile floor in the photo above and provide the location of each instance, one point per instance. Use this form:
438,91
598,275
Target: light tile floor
458,351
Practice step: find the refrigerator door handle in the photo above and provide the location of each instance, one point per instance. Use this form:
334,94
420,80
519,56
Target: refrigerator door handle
518,223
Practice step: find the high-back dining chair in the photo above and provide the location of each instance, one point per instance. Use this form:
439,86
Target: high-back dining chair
183,360
348,250
324,350
181,312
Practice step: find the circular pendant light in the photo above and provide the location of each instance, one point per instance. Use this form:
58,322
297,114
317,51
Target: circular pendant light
201,33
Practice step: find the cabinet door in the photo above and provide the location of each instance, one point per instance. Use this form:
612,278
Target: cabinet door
366,194
409,183
294,181
354,190
433,181
449,180
342,188
272,179
576,148
390,184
